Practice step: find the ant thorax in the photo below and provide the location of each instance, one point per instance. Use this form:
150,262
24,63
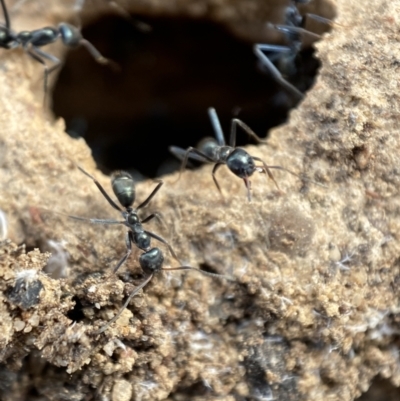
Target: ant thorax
140,237
224,152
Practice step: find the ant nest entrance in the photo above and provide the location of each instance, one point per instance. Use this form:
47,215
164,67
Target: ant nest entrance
169,75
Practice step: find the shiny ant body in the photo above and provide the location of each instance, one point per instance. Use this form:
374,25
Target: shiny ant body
281,60
238,160
32,41
151,260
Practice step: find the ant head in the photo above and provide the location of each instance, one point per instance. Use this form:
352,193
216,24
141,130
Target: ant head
241,163
70,35
124,188
151,261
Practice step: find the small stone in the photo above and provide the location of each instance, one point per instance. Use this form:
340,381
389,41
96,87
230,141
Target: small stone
122,391
19,325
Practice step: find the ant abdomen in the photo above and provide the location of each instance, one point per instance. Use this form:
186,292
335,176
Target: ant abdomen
124,188
209,147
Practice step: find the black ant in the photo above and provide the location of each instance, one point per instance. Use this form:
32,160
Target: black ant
32,41
151,260
281,60
241,163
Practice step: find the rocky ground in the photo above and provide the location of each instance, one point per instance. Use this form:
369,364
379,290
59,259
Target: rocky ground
314,311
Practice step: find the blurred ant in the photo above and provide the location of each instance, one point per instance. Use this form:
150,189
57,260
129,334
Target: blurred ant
32,41
281,60
151,260
241,163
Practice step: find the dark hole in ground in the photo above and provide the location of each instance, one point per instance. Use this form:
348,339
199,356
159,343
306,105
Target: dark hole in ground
196,389
381,390
207,268
76,314
168,79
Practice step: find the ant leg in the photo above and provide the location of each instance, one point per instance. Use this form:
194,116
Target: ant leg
32,53
157,216
94,221
101,189
40,53
132,294
128,241
296,175
219,134
48,56
189,152
200,271
215,178
258,50
97,221
5,13
161,239
268,171
151,196
151,217
140,25
247,182
98,56
246,128
179,153
196,155
287,29
184,161
320,19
